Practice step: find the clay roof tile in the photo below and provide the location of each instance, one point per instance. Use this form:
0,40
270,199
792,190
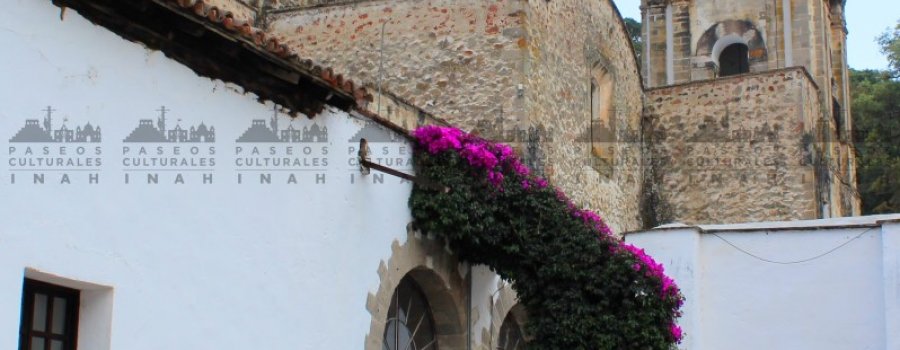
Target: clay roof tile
272,45
348,86
214,15
328,75
200,8
228,22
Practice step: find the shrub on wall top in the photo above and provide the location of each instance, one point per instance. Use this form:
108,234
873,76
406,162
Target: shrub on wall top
583,287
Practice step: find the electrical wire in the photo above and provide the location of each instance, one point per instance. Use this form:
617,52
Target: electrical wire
757,257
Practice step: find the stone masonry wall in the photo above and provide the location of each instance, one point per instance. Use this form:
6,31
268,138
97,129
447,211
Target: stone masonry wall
810,36
655,14
815,32
655,46
515,71
567,39
459,60
737,149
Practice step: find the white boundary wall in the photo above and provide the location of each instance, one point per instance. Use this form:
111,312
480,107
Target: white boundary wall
748,286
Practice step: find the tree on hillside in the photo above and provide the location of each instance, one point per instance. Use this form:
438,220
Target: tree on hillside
876,115
890,46
634,31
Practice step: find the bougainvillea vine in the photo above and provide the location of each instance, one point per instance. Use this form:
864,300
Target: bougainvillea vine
583,287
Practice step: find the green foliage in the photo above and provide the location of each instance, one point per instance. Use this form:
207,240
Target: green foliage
890,46
634,31
876,115
578,293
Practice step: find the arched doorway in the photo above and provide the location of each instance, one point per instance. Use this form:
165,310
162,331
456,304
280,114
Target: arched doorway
734,60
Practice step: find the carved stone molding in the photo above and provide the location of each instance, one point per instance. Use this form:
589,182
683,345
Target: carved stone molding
436,270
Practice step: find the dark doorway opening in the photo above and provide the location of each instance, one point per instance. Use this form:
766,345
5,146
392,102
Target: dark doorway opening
734,60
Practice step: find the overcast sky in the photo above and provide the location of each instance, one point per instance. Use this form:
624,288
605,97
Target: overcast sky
866,19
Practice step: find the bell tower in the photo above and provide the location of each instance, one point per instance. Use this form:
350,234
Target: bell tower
691,40
734,49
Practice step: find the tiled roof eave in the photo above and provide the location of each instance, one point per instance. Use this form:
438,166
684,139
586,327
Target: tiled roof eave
225,24
215,44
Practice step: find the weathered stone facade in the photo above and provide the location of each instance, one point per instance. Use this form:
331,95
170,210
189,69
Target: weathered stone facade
540,75
569,42
514,71
744,148
687,38
686,41
436,54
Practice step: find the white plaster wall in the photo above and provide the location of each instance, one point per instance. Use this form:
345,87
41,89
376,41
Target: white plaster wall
831,303
193,265
485,288
846,299
891,274
677,251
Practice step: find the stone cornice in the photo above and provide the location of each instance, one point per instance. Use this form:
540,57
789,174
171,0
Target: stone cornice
661,3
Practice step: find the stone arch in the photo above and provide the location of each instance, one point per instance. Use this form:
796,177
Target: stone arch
436,272
723,34
734,60
505,303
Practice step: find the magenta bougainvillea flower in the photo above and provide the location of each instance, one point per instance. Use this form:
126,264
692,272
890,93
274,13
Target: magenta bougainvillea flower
481,154
500,167
439,139
493,159
650,267
676,332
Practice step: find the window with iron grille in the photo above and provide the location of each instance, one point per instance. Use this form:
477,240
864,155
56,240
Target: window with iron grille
410,325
